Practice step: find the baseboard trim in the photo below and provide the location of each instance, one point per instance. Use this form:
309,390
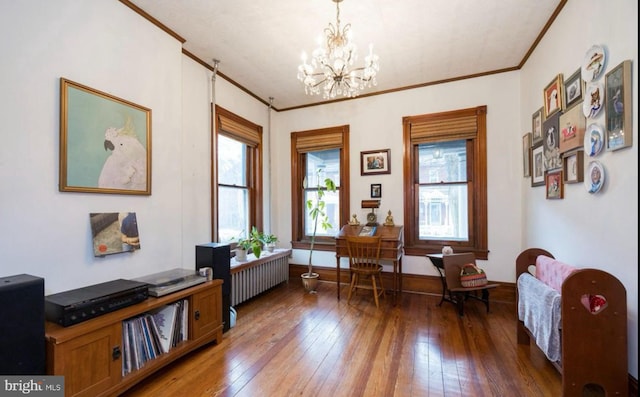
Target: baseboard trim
413,283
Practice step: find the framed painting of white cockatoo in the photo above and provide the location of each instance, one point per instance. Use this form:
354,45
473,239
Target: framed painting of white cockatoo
105,142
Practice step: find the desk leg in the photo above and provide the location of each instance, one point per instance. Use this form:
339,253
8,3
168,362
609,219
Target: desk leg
397,280
338,275
400,276
444,285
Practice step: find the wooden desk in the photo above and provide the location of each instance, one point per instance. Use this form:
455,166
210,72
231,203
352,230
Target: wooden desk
391,249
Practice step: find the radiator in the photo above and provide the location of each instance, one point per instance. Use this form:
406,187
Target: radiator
255,276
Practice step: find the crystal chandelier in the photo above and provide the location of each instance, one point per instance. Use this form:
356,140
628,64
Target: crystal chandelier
331,69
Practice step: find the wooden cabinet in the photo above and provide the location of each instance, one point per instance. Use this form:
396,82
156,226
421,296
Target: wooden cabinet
89,354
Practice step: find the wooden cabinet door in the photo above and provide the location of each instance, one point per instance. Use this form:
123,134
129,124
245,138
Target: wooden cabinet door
90,363
206,312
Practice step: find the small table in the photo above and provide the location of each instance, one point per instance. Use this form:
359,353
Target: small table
438,263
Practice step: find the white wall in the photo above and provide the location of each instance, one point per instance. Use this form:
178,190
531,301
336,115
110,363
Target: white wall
105,45
600,230
376,123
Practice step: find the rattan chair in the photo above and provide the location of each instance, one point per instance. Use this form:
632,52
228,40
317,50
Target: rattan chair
364,265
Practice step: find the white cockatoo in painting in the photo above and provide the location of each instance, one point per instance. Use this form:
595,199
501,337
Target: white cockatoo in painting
126,165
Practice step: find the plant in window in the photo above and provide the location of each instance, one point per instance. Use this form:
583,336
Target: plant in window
316,208
253,242
269,241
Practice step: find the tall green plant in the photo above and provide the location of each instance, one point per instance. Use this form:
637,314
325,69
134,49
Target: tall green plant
317,210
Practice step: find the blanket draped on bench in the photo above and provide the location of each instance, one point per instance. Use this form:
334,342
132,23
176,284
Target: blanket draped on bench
539,310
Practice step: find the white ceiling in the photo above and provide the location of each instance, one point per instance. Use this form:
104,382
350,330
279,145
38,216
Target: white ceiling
259,42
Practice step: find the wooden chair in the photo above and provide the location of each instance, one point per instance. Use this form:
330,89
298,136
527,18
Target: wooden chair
453,264
364,260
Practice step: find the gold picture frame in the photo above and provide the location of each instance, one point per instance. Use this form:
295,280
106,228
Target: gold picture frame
105,142
553,96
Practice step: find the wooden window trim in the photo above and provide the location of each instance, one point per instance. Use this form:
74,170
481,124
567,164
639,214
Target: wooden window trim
236,127
457,124
303,142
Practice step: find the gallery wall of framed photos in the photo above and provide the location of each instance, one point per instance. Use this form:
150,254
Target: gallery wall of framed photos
583,119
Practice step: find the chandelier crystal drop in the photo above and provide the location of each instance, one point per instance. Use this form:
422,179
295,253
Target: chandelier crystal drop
331,69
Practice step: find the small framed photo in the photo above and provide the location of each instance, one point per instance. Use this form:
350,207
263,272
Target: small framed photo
537,163
573,89
536,126
554,185
553,98
526,154
573,166
618,106
375,162
376,190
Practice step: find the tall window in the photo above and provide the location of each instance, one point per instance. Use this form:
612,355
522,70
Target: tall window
446,184
316,155
237,177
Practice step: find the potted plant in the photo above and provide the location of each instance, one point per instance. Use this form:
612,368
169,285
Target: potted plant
253,242
317,213
269,241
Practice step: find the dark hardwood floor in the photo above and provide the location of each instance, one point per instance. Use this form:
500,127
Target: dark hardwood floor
290,343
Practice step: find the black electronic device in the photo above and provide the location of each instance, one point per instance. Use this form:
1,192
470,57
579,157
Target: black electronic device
78,305
218,257
22,344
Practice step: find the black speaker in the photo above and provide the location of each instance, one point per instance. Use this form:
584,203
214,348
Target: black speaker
218,257
22,344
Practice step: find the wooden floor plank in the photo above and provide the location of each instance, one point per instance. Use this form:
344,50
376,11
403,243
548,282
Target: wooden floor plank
287,342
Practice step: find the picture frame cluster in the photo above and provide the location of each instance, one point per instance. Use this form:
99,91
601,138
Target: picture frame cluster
570,126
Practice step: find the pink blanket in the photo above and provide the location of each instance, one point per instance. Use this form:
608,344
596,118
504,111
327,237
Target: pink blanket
552,272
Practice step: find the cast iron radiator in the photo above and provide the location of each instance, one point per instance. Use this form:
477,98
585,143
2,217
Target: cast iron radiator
255,276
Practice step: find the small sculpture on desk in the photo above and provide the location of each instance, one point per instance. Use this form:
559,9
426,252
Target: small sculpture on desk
388,221
354,221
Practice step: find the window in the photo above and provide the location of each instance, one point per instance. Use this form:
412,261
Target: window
327,151
446,184
237,177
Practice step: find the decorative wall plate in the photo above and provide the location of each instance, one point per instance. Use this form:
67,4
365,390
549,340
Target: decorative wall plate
593,140
593,99
595,177
594,64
